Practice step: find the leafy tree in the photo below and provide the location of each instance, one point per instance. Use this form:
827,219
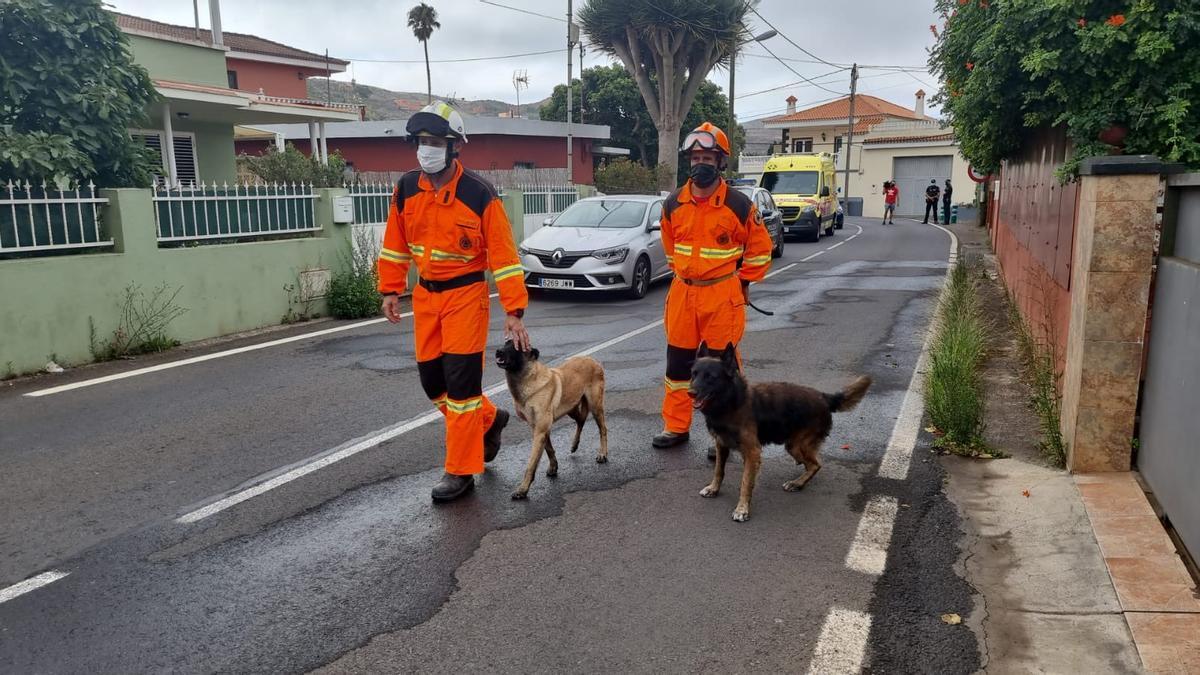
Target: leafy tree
422,19
293,166
610,97
1091,66
622,176
669,47
69,92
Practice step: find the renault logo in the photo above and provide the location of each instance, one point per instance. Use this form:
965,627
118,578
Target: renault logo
557,256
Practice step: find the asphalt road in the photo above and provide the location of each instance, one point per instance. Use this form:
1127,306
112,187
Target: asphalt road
614,567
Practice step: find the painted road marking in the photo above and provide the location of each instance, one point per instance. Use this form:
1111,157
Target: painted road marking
209,357
268,482
30,584
868,553
843,642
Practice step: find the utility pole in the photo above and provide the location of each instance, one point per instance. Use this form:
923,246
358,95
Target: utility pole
571,32
850,136
581,81
731,130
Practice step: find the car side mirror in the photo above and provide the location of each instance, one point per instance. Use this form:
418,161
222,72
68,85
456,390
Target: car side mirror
825,191
547,221
653,226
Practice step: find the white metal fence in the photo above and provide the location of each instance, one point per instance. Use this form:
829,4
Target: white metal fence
371,202
38,219
200,213
545,201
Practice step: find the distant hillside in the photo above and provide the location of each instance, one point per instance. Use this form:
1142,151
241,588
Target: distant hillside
384,104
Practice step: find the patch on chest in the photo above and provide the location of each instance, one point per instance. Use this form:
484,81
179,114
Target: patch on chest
464,242
723,239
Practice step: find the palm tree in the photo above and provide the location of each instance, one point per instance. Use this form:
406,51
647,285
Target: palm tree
422,19
669,47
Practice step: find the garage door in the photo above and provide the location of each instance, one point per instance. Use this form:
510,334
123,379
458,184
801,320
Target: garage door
912,176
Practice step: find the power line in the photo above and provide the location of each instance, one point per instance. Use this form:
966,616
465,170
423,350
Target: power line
476,58
790,84
915,69
790,41
802,77
523,11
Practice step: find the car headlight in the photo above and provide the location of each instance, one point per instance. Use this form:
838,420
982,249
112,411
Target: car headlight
612,256
809,208
521,250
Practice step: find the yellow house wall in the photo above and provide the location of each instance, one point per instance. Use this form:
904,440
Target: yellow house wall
877,167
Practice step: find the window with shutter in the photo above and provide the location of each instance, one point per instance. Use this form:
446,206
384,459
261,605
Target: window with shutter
185,159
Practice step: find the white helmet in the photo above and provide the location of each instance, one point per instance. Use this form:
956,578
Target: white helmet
437,119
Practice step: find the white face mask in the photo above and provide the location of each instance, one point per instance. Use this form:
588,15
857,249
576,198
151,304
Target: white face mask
431,158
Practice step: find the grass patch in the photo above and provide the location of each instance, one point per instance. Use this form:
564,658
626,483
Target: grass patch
1039,370
954,391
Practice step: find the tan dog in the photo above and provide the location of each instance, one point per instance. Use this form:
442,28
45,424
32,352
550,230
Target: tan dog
542,395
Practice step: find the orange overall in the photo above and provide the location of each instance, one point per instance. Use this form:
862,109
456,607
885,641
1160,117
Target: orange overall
704,241
453,235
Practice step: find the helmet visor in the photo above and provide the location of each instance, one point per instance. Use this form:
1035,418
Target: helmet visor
700,139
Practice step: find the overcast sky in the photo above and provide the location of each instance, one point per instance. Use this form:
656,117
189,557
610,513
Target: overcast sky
368,32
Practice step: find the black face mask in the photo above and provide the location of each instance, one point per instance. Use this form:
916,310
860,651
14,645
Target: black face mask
703,175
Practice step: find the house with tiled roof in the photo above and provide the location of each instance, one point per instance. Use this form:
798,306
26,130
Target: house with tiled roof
891,142
210,82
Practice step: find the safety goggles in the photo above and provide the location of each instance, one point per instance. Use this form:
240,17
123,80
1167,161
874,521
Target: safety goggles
703,139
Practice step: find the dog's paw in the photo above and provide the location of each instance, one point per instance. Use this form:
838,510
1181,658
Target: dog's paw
517,495
741,515
602,459
793,486
709,491
552,472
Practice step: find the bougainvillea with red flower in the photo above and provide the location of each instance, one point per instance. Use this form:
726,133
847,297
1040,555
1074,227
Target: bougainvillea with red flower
1083,65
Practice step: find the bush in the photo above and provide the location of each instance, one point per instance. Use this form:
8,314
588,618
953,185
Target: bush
954,394
293,166
142,328
353,291
625,177
1012,65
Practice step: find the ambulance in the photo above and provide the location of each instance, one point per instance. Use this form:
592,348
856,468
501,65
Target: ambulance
805,189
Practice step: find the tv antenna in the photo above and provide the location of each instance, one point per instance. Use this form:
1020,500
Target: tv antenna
520,81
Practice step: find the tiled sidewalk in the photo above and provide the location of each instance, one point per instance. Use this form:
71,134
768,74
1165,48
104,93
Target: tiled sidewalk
1158,597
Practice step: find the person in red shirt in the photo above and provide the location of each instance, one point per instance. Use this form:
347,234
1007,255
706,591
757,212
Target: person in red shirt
891,195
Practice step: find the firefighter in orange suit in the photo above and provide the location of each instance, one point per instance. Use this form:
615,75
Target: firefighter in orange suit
450,223
707,229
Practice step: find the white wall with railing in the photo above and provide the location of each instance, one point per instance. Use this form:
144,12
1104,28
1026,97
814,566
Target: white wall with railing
41,219
207,213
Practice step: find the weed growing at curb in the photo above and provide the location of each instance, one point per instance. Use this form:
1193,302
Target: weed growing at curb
1039,364
353,291
954,392
143,324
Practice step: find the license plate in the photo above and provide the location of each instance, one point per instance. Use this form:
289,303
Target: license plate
558,283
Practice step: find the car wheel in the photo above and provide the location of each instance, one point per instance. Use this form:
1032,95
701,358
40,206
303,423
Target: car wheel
839,222
815,236
777,252
641,279
829,232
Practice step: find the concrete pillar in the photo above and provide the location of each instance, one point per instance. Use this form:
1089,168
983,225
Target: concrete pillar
313,148
324,145
1110,286
168,147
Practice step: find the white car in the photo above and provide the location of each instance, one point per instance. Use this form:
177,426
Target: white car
610,243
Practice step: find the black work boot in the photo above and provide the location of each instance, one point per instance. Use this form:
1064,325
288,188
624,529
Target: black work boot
669,439
451,487
491,439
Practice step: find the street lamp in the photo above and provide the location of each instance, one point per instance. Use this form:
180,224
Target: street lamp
732,128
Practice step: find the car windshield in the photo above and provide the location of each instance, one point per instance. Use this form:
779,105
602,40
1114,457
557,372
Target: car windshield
603,213
790,182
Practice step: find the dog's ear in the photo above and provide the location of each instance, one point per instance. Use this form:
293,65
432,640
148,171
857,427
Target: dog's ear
703,352
534,353
729,357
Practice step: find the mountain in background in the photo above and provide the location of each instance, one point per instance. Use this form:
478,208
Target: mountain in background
384,104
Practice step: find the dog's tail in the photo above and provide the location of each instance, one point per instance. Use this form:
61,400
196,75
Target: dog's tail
849,397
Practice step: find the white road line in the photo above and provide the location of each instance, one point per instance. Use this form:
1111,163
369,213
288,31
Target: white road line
30,584
868,553
842,645
898,455
812,256
781,270
208,357
843,642
369,441
840,243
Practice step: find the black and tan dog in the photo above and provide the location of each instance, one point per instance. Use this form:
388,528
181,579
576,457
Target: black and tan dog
743,416
542,395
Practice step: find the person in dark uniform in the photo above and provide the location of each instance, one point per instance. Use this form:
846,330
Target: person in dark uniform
946,203
932,192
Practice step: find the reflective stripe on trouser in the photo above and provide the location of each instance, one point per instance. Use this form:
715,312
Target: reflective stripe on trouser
451,333
715,315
